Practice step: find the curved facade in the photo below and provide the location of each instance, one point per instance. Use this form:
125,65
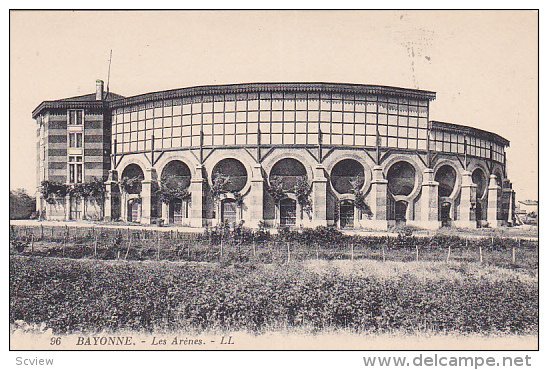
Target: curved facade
299,154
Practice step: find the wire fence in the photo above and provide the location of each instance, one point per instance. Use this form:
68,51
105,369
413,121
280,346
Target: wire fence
149,244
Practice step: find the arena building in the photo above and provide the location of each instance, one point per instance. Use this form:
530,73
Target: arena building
273,154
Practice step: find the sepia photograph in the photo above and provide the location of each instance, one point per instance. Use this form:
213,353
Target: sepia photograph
274,180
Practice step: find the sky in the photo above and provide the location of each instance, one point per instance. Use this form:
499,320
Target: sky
483,65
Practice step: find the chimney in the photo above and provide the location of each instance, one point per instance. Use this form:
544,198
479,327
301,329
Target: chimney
99,89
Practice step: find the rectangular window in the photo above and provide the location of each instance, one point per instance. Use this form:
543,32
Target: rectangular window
75,169
76,116
75,140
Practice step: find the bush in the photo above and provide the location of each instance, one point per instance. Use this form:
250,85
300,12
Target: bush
91,296
22,205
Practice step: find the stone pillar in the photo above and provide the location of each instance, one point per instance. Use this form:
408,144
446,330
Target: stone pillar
429,201
256,197
319,198
112,197
197,197
493,202
467,215
146,196
165,213
377,199
67,207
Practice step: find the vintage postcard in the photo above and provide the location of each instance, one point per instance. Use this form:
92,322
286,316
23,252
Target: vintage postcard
273,180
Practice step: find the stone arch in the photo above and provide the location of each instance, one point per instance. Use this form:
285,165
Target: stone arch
233,168
418,175
331,161
458,177
300,155
344,172
182,156
240,155
288,170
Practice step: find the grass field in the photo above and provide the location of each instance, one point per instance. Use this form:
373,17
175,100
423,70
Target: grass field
365,296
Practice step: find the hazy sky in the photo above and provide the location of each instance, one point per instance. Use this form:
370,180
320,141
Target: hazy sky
482,64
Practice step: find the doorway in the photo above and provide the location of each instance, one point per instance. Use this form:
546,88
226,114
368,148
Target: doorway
445,214
134,210
288,212
176,212
229,211
346,214
400,212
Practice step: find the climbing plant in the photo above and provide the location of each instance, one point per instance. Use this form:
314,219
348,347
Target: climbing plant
356,184
52,191
219,185
130,184
302,190
275,189
171,188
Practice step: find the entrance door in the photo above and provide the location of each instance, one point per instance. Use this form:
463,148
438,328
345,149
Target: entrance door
288,212
400,211
445,214
176,212
229,211
346,214
75,208
134,210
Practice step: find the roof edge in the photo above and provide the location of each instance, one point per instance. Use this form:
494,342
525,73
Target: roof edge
453,127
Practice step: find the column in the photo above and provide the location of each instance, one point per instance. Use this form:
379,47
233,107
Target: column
112,197
67,207
467,214
319,199
493,202
429,201
197,197
377,200
256,197
146,196
165,212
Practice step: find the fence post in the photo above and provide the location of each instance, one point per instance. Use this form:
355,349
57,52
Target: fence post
383,254
95,245
254,249
480,254
158,245
352,251
52,230
514,253
288,253
41,232
221,255
417,252
317,251
32,243
128,245
448,254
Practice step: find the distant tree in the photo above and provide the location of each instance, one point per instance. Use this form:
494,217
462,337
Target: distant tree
22,205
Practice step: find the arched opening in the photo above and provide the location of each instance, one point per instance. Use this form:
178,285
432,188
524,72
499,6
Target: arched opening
480,179
235,172
401,178
346,214
229,211
446,176
131,179
134,210
175,181
347,176
445,213
288,212
287,172
400,212
131,186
